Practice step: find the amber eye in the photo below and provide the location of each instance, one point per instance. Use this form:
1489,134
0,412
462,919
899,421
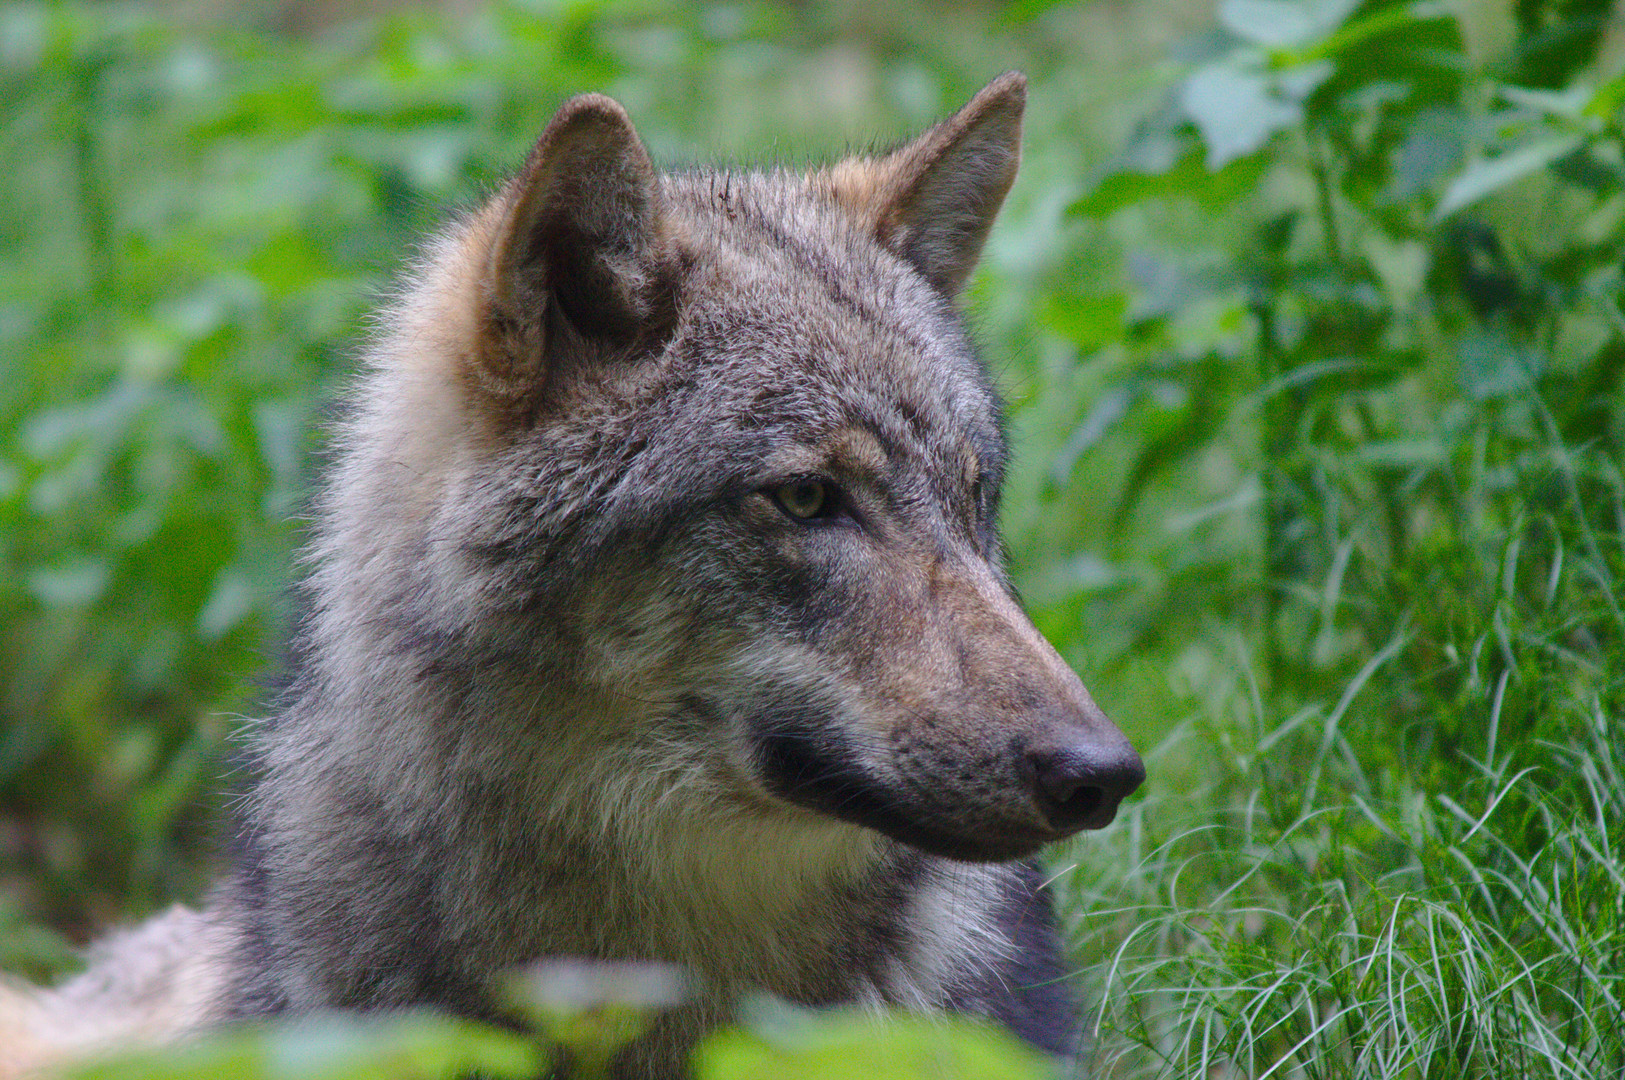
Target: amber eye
805,499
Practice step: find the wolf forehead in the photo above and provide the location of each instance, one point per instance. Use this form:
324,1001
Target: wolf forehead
793,324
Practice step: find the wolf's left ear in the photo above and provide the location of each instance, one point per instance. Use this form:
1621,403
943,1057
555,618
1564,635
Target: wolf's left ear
933,201
576,257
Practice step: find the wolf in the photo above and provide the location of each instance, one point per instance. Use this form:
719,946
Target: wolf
657,611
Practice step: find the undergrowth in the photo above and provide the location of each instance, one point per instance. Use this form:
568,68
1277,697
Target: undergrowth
1388,841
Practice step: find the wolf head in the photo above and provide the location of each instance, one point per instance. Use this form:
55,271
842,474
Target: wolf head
677,493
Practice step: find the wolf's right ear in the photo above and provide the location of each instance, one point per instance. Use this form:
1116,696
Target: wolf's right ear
579,240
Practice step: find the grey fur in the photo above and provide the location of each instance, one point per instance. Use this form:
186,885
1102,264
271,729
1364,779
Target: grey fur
577,682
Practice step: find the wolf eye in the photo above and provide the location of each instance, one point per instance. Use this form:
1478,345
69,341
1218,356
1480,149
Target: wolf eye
805,499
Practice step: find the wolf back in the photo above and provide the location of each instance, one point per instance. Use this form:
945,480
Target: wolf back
657,612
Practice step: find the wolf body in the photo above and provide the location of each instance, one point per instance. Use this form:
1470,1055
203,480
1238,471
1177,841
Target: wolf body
657,613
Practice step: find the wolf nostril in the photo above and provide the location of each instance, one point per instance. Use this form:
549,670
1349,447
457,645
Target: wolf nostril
1079,786
1076,804
1063,784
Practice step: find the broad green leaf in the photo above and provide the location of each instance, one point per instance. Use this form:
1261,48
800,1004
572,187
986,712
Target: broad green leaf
1492,365
1284,24
1376,25
70,584
1605,103
1236,111
1484,177
1088,322
846,1046
1401,266
1569,103
1598,167
333,1047
1189,178
1432,148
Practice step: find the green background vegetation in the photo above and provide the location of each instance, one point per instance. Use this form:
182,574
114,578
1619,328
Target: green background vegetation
1310,317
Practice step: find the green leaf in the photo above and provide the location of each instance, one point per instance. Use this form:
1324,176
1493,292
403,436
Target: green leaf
1484,177
849,1046
1493,366
1189,178
1378,24
1017,12
333,1047
1235,112
1598,168
1088,322
71,584
1433,147
1284,24
230,602
1569,104
1605,103
1238,108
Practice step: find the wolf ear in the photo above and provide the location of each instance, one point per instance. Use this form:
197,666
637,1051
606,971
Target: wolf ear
576,251
933,201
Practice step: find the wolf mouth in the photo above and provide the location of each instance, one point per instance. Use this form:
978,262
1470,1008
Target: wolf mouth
817,773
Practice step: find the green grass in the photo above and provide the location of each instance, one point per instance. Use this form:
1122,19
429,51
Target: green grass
1318,388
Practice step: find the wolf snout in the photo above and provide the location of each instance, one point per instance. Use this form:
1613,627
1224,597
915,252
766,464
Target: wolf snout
1077,783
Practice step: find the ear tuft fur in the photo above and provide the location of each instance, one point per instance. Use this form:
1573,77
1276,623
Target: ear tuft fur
933,201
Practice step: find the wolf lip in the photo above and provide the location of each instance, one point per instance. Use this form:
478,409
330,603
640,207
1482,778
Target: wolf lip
816,775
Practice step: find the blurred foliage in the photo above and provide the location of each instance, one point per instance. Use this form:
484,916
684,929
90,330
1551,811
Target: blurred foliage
772,1039
1311,321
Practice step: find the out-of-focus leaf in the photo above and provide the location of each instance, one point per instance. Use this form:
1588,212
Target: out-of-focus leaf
1557,38
1236,111
334,1047
230,602
1484,177
1016,12
1112,407
1237,105
1569,103
1187,177
1165,287
1404,59
1403,453
1401,266
1492,365
1597,167
848,1046
1379,24
1284,24
1088,322
1606,102
1433,146
72,584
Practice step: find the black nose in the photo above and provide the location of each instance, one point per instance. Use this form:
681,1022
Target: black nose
1078,785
